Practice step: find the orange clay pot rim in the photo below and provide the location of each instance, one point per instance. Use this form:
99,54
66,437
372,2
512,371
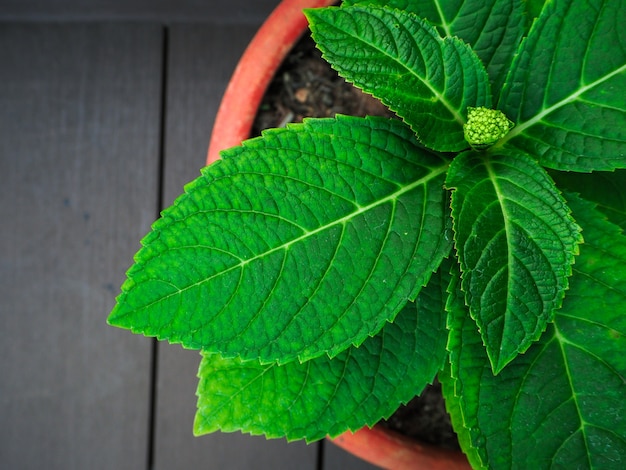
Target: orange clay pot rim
388,449
254,72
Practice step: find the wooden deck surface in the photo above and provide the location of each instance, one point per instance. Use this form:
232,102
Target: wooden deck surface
106,110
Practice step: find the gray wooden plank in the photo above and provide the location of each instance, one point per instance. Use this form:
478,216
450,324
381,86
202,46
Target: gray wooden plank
167,11
335,458
201,60
79,134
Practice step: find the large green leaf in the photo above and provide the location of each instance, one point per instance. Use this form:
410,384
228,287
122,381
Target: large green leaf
401,59
516,242
299,243
492,27
560,405
329,396
567,87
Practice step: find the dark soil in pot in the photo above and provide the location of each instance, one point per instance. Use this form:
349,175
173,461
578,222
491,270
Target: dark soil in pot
306,86
425,418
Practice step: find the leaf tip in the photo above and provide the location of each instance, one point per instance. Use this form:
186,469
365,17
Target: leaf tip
199,425
117,317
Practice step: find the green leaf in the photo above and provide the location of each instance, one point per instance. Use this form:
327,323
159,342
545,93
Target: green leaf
607,190
567,87
460,380
299,243
401,59
329,396
453,407
492,27
456,400
516,242
560,405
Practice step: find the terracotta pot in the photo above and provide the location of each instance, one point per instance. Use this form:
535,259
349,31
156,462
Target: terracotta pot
254,72
388,449
233,123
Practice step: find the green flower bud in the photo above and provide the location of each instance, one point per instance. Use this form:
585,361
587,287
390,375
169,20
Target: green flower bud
485,127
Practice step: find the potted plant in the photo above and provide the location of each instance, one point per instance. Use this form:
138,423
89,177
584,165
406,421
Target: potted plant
330,270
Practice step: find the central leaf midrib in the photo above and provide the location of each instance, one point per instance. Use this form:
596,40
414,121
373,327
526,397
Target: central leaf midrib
520,128
393,196
507,230
444,23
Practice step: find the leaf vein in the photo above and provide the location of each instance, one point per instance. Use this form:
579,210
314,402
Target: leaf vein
521,127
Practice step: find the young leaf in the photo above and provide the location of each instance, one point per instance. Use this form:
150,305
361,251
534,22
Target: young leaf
299,243
401,59
562,403
328,396
515,240
492,27
567,87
